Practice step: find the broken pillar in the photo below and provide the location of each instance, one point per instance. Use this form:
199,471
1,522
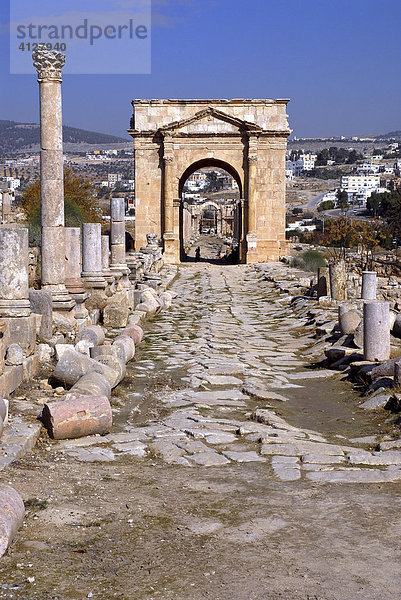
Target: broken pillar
5,207
323,282
105,243
92,273
14,259
368,285
118,262
376,331
338,280
73,269
76,416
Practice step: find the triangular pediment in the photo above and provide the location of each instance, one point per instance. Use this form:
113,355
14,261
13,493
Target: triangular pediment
210,120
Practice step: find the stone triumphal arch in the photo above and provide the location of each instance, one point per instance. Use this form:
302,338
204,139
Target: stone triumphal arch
247,138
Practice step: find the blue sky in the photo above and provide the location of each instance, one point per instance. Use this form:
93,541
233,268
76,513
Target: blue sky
339,61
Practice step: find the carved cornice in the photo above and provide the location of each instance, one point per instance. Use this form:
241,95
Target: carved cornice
48,64
273,133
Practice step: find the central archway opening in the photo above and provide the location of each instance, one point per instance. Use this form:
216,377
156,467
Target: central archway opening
210,224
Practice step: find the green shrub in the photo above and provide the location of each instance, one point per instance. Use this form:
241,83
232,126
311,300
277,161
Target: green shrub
73,216
309,260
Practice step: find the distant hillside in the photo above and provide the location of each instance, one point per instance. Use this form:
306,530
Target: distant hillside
392,134
15,137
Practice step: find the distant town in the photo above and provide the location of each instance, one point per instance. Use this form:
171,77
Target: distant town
319,171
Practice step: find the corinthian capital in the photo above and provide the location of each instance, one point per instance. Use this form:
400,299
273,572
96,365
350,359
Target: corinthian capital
48,63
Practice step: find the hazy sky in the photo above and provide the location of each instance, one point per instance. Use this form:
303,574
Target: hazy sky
339,61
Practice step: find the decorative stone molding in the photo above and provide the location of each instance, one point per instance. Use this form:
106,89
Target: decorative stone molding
48,64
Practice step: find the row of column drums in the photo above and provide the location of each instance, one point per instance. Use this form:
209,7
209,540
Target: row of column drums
99,261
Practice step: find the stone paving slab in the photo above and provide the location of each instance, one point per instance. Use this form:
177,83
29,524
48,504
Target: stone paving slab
18,438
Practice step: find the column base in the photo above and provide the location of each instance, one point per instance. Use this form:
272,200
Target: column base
61,299
94,280
109,277
15,308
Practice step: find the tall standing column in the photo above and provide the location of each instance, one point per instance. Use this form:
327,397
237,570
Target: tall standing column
168,195
49,66
252,237
171,240
252,160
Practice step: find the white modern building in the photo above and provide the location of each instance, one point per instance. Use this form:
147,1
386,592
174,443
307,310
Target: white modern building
306,162
10,183
353,183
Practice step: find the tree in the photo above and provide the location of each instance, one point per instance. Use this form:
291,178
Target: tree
80,204
322,157
342,200
345,233
373,203
325,205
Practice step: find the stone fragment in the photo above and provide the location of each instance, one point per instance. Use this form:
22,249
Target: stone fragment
133,448
255,392
124,346
12,511
73,365
298,448
385,369
209,459
192,446
222,380
268,417
246,456
349,321
115,316
377,400
354,476
92,333
62,324
44,353
389,445
92,384
41,303
77,416
115,365
4,405
220,438
91,454
324,459
165,450
361,457
135,332
14,355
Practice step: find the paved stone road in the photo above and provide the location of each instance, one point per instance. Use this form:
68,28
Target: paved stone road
148,520
233,347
